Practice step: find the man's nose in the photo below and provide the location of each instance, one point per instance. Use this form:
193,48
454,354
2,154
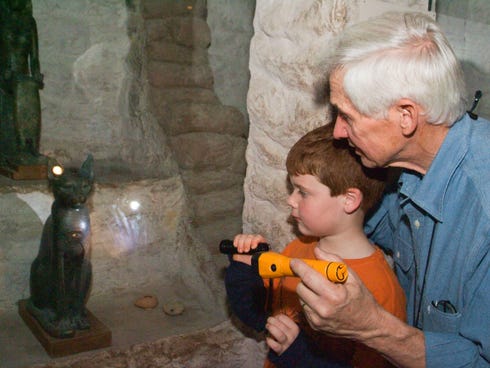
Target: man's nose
339,130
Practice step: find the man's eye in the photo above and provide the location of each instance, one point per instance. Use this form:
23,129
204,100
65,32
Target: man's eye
345,117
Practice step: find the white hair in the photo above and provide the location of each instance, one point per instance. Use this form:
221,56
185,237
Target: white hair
401,55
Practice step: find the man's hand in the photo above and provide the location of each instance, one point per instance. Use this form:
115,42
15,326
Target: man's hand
349,310
346,310
282,333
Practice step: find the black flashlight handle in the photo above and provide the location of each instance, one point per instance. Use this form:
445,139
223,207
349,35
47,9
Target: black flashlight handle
226,247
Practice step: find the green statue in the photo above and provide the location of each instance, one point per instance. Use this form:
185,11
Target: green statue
20,82
61,274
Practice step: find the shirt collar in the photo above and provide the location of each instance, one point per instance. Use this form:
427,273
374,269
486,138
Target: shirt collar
428,192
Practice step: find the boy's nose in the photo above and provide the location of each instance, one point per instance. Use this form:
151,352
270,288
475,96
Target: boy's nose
291,201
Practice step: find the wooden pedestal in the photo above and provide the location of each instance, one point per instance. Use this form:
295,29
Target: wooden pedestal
98,336
25,172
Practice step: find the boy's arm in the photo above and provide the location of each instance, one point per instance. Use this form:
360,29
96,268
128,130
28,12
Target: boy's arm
300,355
246,294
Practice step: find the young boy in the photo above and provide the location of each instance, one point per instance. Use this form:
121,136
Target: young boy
332,192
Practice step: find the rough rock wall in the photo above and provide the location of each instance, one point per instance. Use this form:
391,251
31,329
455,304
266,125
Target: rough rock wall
467,25
207,138
287,63
93,100
231,30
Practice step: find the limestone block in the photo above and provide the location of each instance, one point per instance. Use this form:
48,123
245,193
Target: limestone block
208,151
199,182
297,110
214,118
171,52
370,8
159,97
477,79
265,218
467,28
185,31
217,205
268,184
214,231
82,52
162,74
22,216
99,69
139,227
165,8
191,32
231,31
136,216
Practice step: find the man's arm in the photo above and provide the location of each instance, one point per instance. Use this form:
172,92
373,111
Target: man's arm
399,343
349,310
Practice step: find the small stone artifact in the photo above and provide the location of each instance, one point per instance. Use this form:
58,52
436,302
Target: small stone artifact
173,308
61,273
146,302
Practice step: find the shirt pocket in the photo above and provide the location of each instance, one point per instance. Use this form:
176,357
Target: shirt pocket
436,320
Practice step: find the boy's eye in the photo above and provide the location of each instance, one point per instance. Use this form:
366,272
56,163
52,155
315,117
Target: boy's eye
302,193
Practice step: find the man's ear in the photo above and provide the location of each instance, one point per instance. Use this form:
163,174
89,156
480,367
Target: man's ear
352,200
408,112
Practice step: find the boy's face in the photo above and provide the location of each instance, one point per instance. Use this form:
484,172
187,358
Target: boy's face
315,211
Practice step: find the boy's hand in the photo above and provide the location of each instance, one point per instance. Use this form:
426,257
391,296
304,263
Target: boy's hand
282,333
245,242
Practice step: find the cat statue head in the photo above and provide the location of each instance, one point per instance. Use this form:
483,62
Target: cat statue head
72,186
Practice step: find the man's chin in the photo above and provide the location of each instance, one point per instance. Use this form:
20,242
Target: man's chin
367,162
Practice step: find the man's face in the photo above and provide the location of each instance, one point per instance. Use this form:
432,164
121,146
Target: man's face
376,141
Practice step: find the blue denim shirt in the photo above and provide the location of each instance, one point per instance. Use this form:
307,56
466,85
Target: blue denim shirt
438,227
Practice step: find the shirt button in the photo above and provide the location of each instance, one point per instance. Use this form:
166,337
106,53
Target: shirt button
417,224
397,254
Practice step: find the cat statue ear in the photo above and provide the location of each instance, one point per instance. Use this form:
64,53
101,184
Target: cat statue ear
87,168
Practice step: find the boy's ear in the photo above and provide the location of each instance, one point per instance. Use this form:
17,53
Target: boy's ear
353,199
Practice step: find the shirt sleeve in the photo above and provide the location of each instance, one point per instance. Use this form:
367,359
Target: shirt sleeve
300,355
246,294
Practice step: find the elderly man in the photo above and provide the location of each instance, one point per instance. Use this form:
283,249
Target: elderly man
399,96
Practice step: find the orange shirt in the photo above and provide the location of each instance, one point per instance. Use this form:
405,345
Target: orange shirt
377,276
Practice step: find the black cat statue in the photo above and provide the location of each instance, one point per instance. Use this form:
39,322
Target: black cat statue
61,274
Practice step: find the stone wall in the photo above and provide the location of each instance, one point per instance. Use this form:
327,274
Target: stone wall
231,30
467,25
207,138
